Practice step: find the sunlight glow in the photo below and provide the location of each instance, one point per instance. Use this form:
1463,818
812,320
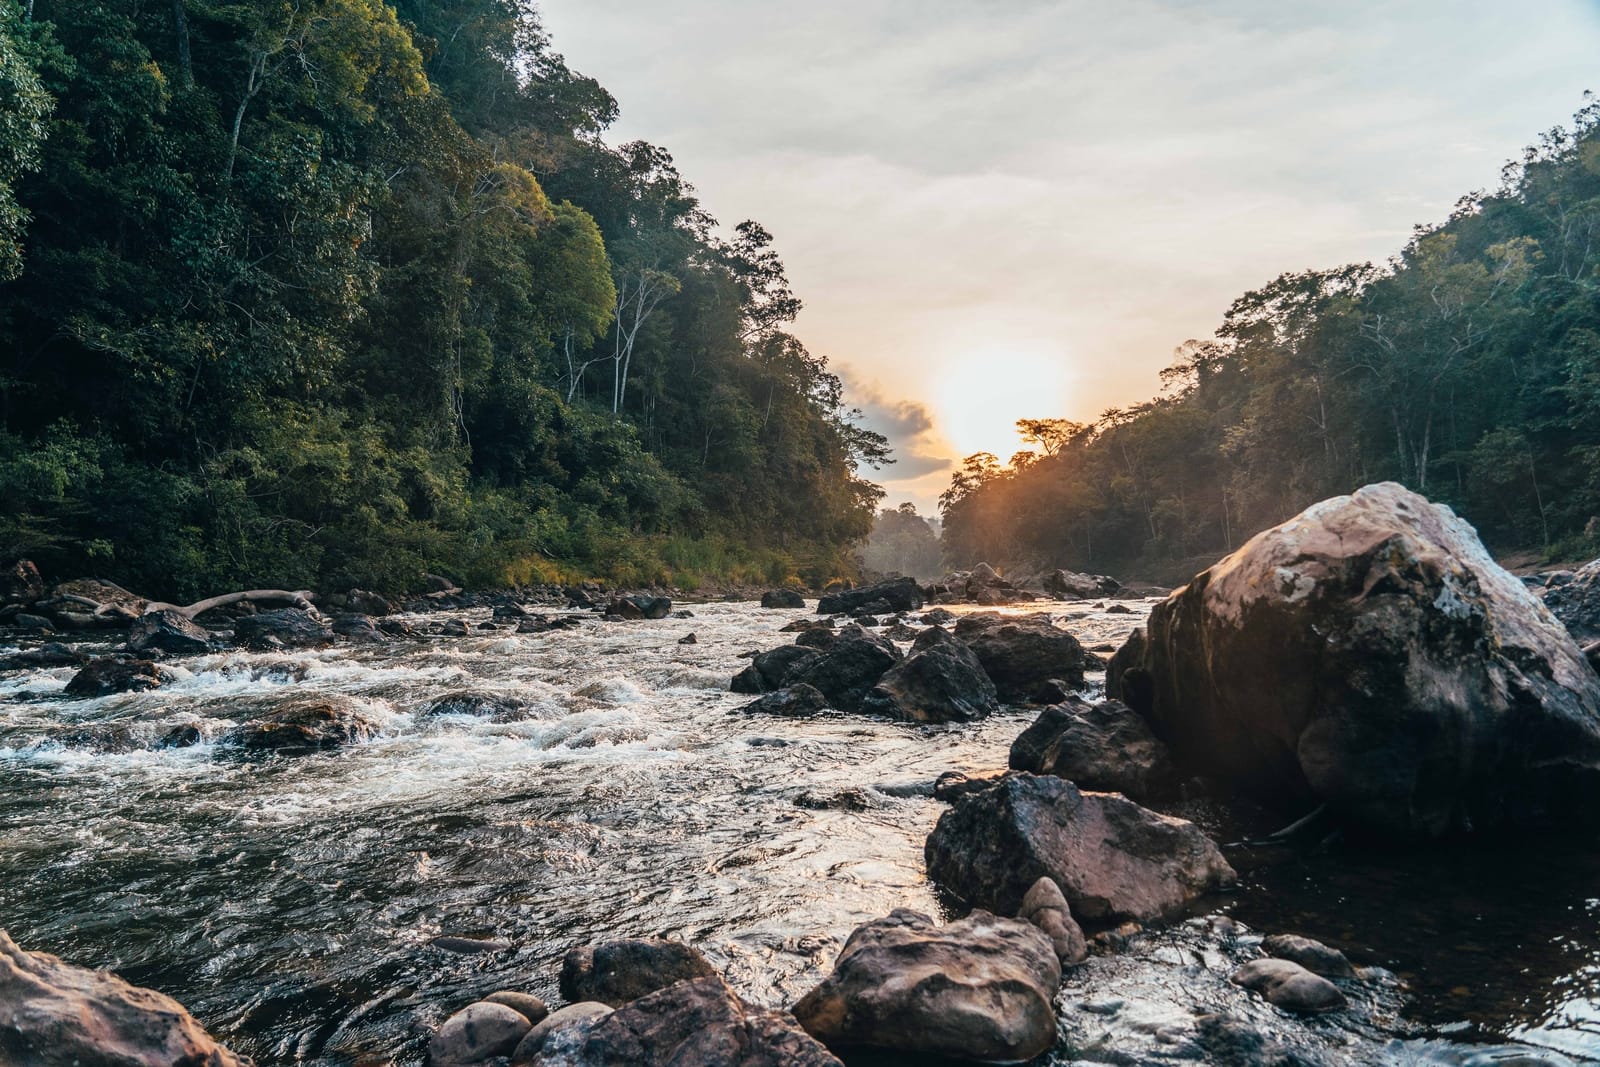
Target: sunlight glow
980,399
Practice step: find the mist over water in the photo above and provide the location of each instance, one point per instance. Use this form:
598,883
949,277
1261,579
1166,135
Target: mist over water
603,785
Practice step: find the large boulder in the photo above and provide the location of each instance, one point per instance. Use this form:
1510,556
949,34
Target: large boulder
982,988
477,1033
616,972
940,680
848,670
168,631
53,1014
782,598
900,594
636,606
1111,858
1574,598
305,726
769,670
698,1023
1368,653
1020,653
283,628
1105,747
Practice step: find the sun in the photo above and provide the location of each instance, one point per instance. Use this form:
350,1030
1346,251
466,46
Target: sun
980,399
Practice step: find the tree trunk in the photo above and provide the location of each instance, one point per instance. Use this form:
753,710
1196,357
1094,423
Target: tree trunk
301,599
180,29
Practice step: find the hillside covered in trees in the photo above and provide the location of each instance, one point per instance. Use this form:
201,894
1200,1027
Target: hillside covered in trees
1467,368
335,291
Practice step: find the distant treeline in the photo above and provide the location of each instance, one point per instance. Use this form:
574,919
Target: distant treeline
1468,368
335,292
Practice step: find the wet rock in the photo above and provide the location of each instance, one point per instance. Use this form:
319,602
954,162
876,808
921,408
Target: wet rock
500,707
637,607
940,680
981,988
397,628
1070,585
1576,601
50,654
561,1033
527,1005
805,625
185,736
1021,653
1112,859
476,1034
795,700
782,598
102,677
1105,747
1370,654
469,946
1232,1042
938,617
1054,691
616,972
1314,956
953,785
845,673
305,726
818,639
510,610
853,799
53,1014
1289,986
898,594
901,632
283,628
356,627
364,602
699,1023
168,631
27,621
1045,907
772,669
438,583
691,639
21,583
455,628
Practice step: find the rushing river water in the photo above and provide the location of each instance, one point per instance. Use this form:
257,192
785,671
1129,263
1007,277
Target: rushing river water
604,784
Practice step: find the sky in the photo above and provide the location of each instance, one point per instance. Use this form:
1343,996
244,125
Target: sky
998,209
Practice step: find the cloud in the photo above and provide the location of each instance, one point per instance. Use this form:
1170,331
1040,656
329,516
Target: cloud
907,424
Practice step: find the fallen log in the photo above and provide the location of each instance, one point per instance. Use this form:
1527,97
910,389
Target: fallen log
300,599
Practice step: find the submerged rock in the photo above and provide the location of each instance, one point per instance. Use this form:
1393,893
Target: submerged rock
1104,747
112,674
699,1023
616,972
981,988
305,726
1369,653
1020,653
53,1014
1112,859
940,680
794,700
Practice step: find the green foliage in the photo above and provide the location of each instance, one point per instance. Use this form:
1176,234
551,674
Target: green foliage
295,310
1467,368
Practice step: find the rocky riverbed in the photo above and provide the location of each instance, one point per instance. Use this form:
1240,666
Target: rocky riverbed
540,790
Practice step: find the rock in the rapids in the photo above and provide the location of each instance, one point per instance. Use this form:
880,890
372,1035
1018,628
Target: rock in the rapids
168,631
368,603
1112,859
1070,585
1045,907
53,1014
793,701
636,606
560,1035
1289,986
771,669
782,598
305,726
1575,600
981,988
938,617
1105,747
1019,653
1369,653
356,627
616,972
940,680
21,583
1314,956
899,594
822,640
476,1034
847,671
526,1005
49,654
800,626
699,1023
112,674
283,628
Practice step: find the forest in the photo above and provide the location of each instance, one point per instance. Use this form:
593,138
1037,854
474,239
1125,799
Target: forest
1467,368
334,292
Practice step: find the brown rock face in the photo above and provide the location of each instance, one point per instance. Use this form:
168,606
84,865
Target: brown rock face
53,1014
1370,654
1112,859
1289,986
617,972
982,988
698,1023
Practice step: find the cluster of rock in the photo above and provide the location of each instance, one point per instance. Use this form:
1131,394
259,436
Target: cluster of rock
942,676
981,585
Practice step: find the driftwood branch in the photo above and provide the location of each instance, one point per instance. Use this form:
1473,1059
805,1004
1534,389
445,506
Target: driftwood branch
301,599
